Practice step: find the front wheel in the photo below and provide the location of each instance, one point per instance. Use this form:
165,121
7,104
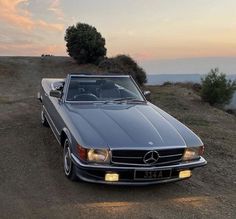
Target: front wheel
69,168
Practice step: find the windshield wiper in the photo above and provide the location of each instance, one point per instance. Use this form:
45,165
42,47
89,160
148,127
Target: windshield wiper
127,99
136,101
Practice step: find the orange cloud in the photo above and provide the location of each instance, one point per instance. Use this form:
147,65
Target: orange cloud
44,25
11,13
29,49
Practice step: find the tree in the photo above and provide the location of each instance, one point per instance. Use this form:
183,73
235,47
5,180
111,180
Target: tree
124,64
216,89
85,44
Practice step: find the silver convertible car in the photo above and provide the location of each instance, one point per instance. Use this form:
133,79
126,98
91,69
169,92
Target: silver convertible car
111,134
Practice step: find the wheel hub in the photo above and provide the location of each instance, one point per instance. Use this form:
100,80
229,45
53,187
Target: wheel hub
67,160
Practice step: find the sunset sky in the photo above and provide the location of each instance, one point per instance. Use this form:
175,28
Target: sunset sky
151,31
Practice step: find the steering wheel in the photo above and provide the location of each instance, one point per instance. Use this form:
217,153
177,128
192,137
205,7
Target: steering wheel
85,97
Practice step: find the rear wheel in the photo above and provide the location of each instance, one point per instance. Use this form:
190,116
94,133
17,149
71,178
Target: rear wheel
69,168
43,119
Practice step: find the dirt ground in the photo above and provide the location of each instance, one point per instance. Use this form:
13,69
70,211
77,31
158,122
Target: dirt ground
32,182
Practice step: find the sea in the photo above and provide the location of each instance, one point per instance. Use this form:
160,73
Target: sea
159,79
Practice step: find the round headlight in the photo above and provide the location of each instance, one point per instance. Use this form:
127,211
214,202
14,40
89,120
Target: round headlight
98,155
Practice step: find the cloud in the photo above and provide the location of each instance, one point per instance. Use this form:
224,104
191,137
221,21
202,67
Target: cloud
12,12
48,26
56,9
31,49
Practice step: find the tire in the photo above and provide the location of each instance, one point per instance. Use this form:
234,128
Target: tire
69,167
44,120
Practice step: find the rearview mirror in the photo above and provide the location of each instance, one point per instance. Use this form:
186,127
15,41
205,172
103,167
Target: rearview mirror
56,93
147,94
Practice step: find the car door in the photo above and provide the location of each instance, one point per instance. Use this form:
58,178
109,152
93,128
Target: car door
57,111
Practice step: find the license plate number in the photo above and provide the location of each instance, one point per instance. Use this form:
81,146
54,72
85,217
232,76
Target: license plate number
152,174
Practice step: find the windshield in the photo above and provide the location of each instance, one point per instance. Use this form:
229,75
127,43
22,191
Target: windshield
83,88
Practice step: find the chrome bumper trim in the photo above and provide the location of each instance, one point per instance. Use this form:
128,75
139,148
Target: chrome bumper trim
189,164
133,183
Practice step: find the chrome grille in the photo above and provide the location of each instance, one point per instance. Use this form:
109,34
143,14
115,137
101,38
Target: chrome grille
136,157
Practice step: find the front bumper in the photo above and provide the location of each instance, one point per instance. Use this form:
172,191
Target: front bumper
96,173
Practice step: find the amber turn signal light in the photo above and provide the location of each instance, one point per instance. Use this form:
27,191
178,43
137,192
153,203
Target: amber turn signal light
185,174
112,177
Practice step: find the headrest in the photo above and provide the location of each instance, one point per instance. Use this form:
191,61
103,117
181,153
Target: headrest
108,85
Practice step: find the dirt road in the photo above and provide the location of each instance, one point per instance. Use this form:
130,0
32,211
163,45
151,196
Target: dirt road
32,183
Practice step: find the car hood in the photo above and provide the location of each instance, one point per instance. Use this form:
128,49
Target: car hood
128,126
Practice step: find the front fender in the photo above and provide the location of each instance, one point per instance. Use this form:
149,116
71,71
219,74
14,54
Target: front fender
67,132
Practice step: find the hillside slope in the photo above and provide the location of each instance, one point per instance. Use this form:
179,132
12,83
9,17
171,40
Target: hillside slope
216,128
23,74
32,183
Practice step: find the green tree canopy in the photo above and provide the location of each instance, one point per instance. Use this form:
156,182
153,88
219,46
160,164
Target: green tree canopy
85,44
216,89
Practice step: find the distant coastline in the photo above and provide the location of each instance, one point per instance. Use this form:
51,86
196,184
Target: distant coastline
159,79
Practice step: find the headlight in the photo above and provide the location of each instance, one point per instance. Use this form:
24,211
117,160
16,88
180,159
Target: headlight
193,153
98,155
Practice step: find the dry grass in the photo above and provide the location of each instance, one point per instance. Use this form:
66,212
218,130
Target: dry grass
216,127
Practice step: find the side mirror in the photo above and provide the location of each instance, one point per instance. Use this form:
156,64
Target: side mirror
56,93
147,94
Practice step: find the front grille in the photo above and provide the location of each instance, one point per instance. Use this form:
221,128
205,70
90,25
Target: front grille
136,157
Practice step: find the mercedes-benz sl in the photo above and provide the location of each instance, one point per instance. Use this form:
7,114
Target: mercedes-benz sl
111,133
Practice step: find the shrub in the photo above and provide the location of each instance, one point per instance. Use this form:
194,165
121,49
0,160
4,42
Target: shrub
197,87
216,89
85,44
124,64
167,83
